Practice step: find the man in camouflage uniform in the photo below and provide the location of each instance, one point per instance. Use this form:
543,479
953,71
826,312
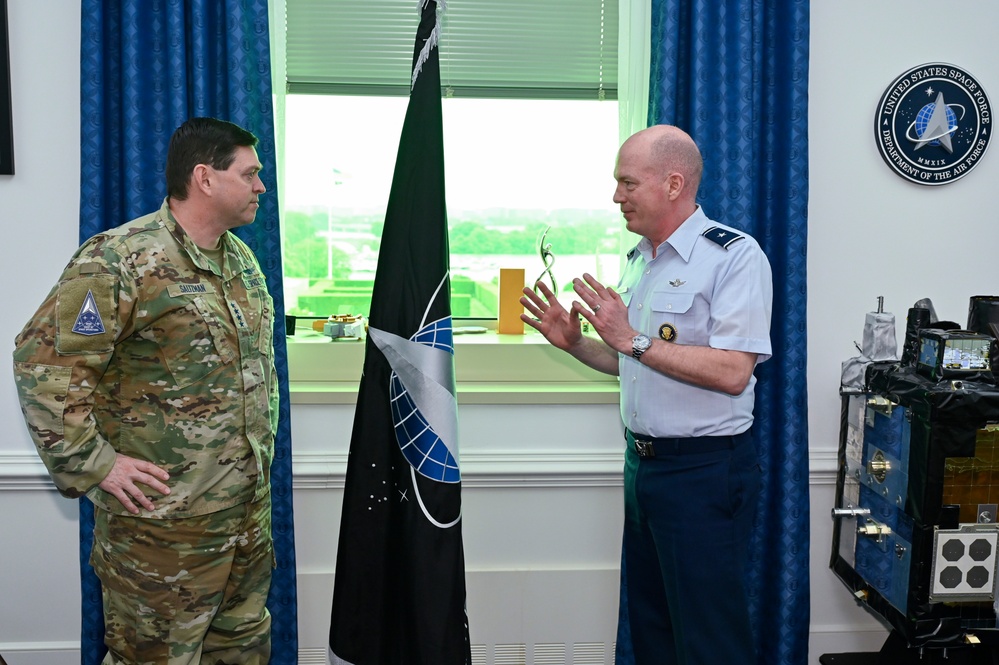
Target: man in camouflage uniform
147,382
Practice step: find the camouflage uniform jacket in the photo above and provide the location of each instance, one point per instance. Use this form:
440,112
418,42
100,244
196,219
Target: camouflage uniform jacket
147,348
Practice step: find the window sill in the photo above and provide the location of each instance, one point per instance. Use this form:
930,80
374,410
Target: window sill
489,369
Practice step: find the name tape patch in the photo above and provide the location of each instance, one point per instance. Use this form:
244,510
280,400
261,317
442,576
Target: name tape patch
187,289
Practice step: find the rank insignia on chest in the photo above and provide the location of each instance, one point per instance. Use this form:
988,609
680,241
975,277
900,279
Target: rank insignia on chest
667,331
88,321
677,283
237,314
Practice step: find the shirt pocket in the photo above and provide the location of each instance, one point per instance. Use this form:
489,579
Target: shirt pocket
671,303
192,341
673,317
260,313
266,332
42,390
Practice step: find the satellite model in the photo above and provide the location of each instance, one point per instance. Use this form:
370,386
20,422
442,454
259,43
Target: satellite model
915,528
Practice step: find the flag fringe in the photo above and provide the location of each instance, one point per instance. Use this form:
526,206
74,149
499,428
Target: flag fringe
431,43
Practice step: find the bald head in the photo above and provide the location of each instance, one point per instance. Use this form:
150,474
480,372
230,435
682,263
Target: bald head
669,149
658,171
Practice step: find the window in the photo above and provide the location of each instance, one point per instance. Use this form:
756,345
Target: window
530,137
513,169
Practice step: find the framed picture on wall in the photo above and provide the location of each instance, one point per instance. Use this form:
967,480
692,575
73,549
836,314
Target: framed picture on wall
6,120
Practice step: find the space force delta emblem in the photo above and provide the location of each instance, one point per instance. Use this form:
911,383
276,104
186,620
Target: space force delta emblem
933,124
88,321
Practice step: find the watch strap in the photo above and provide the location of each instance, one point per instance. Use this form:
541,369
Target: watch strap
638,349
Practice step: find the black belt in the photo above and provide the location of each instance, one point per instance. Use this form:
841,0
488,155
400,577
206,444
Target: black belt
650,446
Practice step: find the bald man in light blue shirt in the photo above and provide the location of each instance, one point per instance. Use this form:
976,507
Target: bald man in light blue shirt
684,330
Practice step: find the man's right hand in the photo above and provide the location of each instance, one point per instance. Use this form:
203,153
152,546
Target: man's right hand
560,327
122,482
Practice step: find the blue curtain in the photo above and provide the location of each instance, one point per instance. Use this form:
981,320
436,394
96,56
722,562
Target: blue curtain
145,67
734,75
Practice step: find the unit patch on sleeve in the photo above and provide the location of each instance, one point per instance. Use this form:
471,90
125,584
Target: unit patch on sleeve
88,321
83,306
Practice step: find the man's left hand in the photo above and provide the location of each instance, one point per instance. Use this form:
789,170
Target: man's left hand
605,311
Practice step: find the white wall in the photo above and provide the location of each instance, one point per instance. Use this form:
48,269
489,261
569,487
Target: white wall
870,234
39,205
39,586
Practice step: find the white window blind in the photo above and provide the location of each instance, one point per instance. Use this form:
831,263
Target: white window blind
531,49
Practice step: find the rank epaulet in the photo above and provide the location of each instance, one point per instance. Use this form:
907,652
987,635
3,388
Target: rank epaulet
723,237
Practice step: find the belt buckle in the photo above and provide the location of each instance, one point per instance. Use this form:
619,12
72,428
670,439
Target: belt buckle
644,448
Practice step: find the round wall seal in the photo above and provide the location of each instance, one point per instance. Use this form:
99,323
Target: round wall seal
933,124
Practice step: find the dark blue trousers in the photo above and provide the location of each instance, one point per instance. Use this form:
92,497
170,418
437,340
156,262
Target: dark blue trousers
688,520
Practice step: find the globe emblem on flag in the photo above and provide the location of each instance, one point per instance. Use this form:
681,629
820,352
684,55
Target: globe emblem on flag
923,120
422,397
422,447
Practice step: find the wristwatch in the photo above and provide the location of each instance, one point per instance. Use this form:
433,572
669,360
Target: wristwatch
640,344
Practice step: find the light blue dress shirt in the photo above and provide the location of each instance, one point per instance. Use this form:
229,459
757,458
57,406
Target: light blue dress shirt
714,293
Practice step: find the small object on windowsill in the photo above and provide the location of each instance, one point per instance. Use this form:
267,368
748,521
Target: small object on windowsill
511,289
343,326
469,330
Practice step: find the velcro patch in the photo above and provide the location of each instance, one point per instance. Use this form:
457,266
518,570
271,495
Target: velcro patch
85,311
88,321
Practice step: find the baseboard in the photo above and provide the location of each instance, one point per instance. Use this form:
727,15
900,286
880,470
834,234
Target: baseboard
855,638
822,640
516,468
40,653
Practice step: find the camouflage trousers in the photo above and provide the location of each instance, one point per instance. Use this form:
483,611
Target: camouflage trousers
186,591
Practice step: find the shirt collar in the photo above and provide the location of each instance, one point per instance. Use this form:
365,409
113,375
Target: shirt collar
198,257
682,240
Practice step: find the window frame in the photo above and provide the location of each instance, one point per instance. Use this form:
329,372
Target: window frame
479,373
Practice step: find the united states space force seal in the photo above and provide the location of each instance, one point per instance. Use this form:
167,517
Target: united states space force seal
933,124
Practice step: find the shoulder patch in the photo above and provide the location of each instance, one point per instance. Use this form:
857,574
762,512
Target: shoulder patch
90,268
85,315
88,321
723,237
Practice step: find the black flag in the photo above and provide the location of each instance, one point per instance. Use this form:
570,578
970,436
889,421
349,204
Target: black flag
399,592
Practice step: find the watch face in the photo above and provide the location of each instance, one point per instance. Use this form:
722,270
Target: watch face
641,342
